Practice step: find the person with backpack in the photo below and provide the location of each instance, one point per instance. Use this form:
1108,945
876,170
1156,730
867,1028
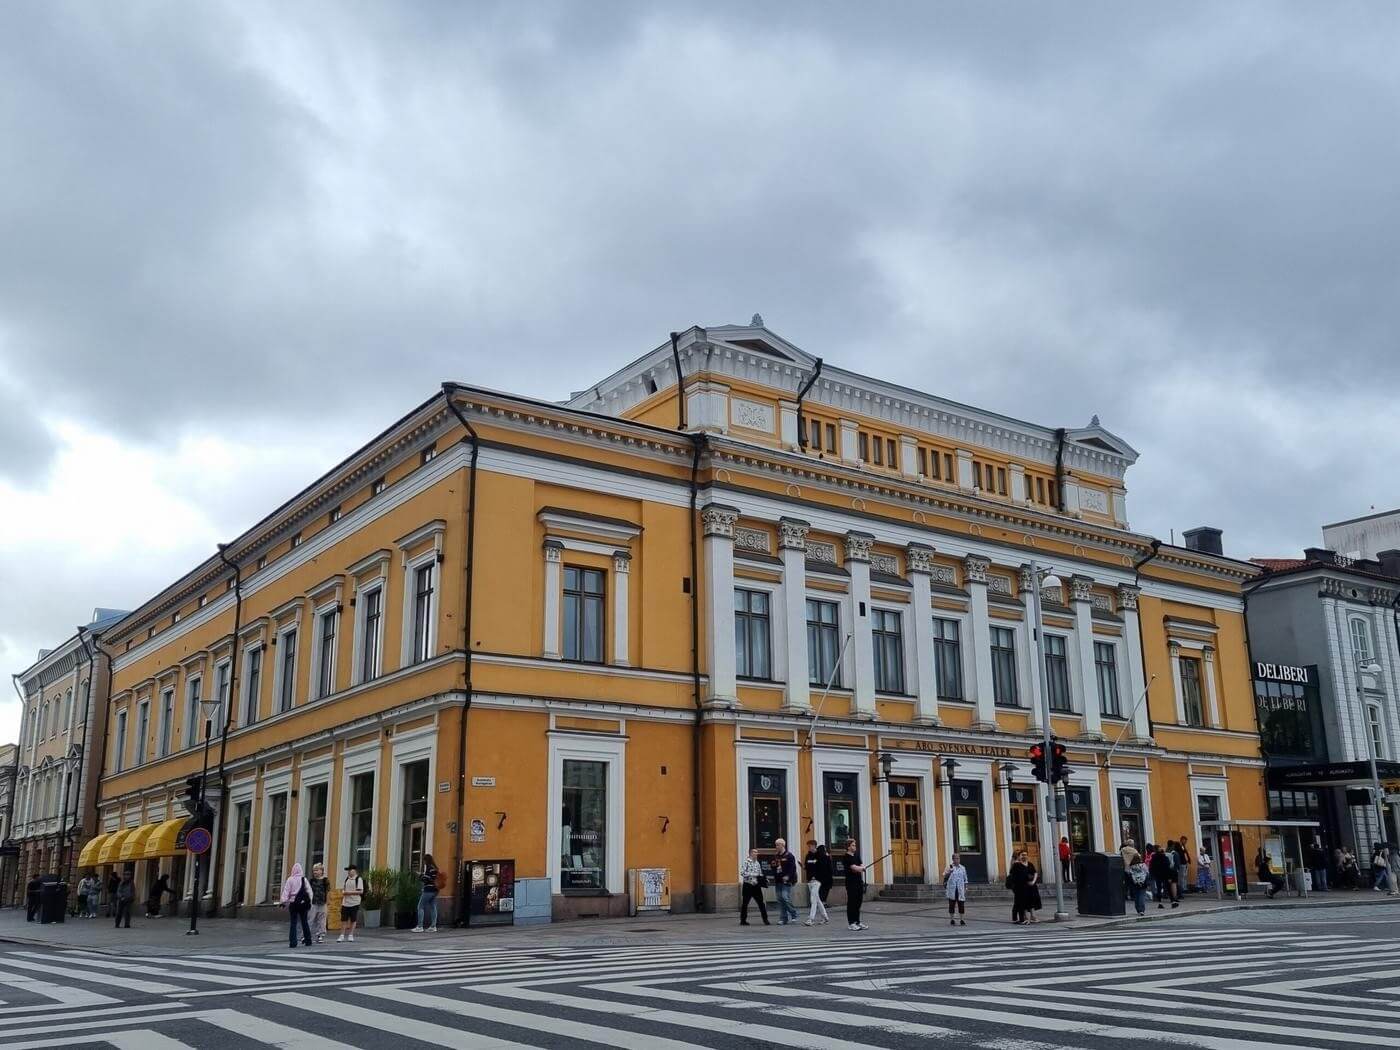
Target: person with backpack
1136,877
1163,869
296,898
955,889
432,880
320,894
159,889
817,866
352,891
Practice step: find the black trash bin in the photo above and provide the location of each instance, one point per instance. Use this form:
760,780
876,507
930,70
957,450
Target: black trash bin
53,901
1099,884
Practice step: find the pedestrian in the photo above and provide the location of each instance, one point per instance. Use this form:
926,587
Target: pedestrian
1137,884
113,884
1128,851
351,892
751,884
1264,869
855,886
1066,854
320,895
817,867
1205,880
1393,863
1317,865
1017,881
125,895
432,881
159,889
31,898
1183,867
296,898
1033,903
1380,868
1348,871
955,889
1163,869
784,878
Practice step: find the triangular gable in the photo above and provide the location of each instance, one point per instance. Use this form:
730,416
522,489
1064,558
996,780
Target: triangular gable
1095,436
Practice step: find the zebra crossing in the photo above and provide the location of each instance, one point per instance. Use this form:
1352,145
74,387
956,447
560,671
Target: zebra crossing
1226,988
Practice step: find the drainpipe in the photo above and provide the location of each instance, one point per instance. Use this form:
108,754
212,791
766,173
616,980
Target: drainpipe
460,903
220,818
680,380
801,428
88,719
1060,433
1137,582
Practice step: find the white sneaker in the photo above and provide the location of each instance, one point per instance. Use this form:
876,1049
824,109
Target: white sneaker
806,922
351,938
432,929
340,939
862,926
417,929
853,927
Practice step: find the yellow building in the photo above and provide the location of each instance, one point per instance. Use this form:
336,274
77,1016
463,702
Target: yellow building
668,629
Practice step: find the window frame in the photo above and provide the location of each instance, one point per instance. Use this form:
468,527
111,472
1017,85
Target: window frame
253,656
747,621
1360,631
425,643
882,639
942,646
324,670
119,753
369,647
143,730
167,721
815,629
285,678
1059,675
999,659
1375,726
1197,680
194,696
581,597
1106,672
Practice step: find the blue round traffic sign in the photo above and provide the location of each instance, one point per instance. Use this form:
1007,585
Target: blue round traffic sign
198,840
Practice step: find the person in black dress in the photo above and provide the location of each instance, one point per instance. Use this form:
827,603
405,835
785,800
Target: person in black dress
855,886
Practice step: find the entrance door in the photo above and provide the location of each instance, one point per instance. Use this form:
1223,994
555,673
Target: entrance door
968,826
1081,820
906,831
1025,827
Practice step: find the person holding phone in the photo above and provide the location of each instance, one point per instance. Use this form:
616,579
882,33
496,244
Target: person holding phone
855,886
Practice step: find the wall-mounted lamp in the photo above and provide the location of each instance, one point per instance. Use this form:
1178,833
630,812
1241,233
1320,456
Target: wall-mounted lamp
886,761
948,764
1005,771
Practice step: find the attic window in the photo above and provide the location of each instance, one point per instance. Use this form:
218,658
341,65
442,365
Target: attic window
649,383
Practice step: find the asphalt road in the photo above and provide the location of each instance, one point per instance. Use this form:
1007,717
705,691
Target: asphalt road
1236,981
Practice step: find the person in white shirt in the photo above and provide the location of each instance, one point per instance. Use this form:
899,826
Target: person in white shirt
351,892
751,880
955,888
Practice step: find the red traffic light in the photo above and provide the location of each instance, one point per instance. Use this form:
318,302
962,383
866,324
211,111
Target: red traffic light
1036,752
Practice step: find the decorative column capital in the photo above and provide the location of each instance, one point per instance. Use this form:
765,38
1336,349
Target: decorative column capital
553,551
622,561
1025,578
918,557
1174,648
719,520
792,534
858,546
1128,596
1081,588
1208,653
975,568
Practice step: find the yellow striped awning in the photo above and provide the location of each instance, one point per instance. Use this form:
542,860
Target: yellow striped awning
88,857
134,848
161,841
111,849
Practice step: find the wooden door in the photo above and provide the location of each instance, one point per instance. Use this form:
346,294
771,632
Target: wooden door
906,831
1025,826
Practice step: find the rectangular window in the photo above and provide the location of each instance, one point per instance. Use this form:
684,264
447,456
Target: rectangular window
378,486
1053,491
767,808
334,515
192,691
1360,642
823,641
831,437
262,564
1004,688
752,634
222,675
296,539
422,612
1373,721
1040,490
143,730
584,591
276,844
813,437
948,474
316,825
1057,673
242,838
252,684
1191,690
325,656
287,681
947,658
584,826
976,475
428,455
923,462
372,634
1106,666
863,440
891,452
888,635
413,826
167,720
362,820
879,452
1001,481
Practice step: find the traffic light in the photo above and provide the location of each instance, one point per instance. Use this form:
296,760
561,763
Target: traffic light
1059,764
1036,753
192,792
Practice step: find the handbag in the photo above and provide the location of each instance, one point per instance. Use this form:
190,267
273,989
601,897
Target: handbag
763,882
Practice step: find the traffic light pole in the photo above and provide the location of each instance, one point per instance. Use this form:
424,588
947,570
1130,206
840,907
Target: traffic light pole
199,857
1050,800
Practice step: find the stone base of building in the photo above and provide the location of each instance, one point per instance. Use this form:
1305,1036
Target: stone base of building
592,906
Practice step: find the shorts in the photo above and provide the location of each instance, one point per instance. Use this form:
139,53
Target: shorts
349,912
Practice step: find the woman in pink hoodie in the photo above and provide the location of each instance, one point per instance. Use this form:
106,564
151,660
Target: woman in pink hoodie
296,898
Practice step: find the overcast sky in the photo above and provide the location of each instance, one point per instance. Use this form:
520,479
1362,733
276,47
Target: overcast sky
237,240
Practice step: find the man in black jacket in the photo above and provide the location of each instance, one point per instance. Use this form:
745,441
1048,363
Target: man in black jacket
784,878
1163,871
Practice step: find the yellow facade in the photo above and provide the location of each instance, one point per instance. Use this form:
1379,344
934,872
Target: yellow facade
605,714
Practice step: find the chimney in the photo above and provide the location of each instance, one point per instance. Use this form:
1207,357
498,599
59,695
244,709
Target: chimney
1204,539
1320,555
1390,563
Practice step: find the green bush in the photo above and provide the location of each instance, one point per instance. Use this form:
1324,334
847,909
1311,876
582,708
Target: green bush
406,890
379,887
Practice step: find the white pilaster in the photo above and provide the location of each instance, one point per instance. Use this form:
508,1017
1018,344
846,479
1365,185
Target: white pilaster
1017,478
787,423
622,564
1212,698
553,594
1174,656
792,545
1132,652
858,565
919,559
1069,492
1119,497
1029,669
964,470
718,522
850,446
908,456
980,661
1081,597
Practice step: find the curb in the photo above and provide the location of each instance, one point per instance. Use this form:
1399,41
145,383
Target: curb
1222,908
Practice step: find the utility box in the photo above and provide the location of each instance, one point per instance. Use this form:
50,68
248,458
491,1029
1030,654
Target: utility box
1098,886
53,902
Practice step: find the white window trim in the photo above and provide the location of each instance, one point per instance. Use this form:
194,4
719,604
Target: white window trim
1353,622
777,627
613,751
906,645
1076,694
1382,752
279,783
377,585
310,775
1124,703
1133,780
842,601
826,760
1219,788
969,684
353,763
410,569
282,635
317,621
765,756
411,747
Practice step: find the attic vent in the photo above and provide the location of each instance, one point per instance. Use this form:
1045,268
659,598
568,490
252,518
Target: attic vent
760,347
1098,443
649,383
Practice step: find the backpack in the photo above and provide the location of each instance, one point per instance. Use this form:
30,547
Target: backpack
439,879
1138,874
302,900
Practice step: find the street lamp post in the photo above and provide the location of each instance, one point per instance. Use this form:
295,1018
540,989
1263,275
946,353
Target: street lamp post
1049,580
209,705
1376,797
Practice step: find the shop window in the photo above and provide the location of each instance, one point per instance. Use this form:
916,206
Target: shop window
315,825
823,641
584,591
839,794
243,823
1130,816
752,634
947,658
362,821
1106,667
1190,668
413,830
276,844
1004,689
1057,673
584,833
1286,713
767,808
888,638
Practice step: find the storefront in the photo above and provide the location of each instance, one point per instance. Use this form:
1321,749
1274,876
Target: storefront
1079,811
969,828
841,808
1130,817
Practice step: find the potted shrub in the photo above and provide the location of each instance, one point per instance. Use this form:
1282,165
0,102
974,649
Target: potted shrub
406,891
378,891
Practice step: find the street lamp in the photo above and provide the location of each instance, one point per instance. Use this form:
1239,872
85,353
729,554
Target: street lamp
1371,669
886,761
1040,582
208,707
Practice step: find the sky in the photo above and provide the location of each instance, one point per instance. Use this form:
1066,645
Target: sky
236,240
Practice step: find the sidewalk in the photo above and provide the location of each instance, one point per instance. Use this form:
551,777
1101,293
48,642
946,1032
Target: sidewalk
167,936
